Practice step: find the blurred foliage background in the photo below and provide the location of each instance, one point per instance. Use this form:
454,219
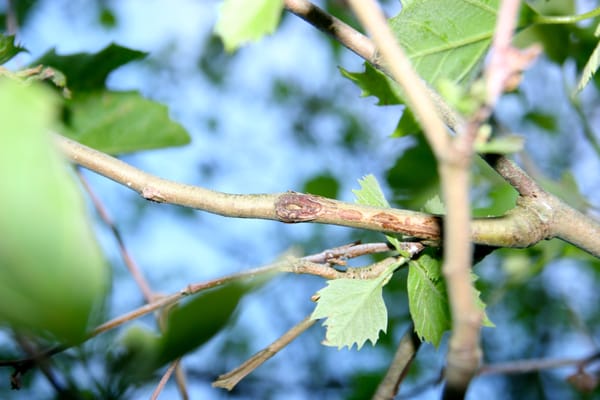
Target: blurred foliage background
278,115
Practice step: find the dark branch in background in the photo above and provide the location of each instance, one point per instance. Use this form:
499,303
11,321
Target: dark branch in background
405,354
232,378
130,263
526,366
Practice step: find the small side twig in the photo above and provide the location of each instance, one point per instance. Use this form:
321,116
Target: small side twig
130,263
164,379
405,354
232,378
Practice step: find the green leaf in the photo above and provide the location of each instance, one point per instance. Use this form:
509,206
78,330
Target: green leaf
8,48
120,122
187,326
435,206
370,194
323,185
198,320
374,83
86,71
414,178
427,299
407,125
354,310
53,277
480,304
445,39
591,66
242,21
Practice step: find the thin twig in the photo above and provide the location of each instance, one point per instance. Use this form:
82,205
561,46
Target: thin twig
356,41
164,379
132,266
232,378
526,366
405,354
289,264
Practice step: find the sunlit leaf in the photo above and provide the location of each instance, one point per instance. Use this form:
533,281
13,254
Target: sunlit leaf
52,273
445,39
354,310
243,21
120,122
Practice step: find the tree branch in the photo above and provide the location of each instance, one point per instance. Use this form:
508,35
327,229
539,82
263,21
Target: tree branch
405,354
523,226
232,378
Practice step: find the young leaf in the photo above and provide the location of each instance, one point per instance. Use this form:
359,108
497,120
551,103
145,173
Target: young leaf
242,21
354,310
120,122
427,299
370,194
85,71
8,48
52,274
435,206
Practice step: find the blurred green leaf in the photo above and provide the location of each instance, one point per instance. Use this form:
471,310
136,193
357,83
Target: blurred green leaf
187,326
52,273
591,66
120,122
323,185
407,125
501,145
354,310
8,48
88,71
242,21
435,205
414,178
543,120
196,321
